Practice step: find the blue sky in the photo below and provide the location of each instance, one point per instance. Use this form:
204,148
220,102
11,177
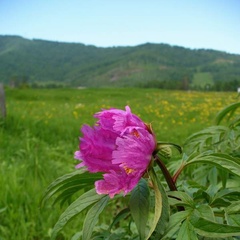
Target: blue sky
209,24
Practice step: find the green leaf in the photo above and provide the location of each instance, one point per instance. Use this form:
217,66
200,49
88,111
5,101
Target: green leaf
76,236
121,215
168,144
220,160
187,232
208,136
227,110
84,201
233,219
232,213
74,181
54,186
224,198
208,228
234,207
161,215
139,206
224,177
180,199
174,223
92,217
206,211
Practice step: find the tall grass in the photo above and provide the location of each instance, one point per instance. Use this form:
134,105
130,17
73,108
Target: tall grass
40,134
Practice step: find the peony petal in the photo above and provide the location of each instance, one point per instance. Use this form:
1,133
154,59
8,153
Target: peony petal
110,185
79,165
117,120
120,146
78,155
126,120
107,118
96,148
117,182
134,150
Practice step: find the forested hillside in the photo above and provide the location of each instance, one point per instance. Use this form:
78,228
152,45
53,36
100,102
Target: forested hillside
36,63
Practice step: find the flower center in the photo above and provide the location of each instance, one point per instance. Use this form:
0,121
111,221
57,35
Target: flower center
128,170
135,133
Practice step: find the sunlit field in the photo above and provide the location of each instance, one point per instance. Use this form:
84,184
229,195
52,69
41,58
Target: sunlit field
40,134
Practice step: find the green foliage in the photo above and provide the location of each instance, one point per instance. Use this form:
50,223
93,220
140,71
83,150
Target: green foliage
40,134
196,211
203,80
200,217
69,184
229,110
39,63
207,202
139,206
85,200
161,216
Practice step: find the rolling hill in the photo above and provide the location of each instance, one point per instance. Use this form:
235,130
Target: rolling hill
148,65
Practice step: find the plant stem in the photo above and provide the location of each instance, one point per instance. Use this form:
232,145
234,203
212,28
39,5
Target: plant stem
175,176
169,179
170,182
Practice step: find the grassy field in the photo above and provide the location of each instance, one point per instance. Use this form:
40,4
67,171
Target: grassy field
40,134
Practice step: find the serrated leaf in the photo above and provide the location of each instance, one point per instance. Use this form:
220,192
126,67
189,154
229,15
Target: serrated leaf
84,201
208,228
92,217
139,206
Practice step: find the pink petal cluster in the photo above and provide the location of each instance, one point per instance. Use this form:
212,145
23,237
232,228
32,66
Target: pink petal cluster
120,145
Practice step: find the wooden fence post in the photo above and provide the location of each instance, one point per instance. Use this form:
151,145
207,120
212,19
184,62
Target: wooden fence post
2,102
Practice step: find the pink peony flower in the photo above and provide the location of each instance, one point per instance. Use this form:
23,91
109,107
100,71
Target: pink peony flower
120,145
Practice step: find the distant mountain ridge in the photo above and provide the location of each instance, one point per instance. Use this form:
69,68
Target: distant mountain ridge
147,65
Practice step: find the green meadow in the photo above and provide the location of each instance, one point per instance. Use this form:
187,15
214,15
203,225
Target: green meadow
40,134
